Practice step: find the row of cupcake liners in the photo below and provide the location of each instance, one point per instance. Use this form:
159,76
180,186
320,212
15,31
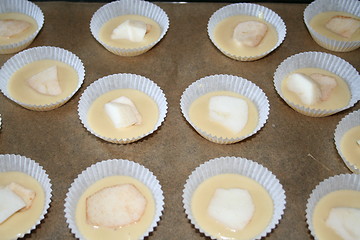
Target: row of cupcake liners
208,169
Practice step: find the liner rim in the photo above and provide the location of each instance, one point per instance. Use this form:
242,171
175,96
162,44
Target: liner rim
262,107
212,22
334,183
15,162
84,104
346,123
354,89
245,167
30,55
98,171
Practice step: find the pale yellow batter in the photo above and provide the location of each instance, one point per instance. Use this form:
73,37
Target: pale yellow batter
199,115
223,33
20,90
129,232
109,26
22,221
341,198
319,21
263,206
102,124
349,147
23,35
339,97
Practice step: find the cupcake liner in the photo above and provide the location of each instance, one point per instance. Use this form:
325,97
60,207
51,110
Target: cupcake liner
242,166
120,81
335,183
12,162
25,7
319,6
225,83
35,54
324,61
251,10
125,7
349,121
108,168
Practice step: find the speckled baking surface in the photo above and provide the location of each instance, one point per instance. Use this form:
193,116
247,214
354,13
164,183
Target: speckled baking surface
299,150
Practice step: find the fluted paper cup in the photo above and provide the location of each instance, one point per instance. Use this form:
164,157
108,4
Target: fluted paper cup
121,81
12,162
36,54
225,83
109,168
349,121
249,9
25,7
332,184
241,166
319,6
128,7
324,61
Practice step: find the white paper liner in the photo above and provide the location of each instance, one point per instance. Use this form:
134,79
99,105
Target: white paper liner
319,6
108,168
125,7
242,166
0,122
225,83
120,81
349,121
252,10
25,7
35,54
335,183
324,61
12,162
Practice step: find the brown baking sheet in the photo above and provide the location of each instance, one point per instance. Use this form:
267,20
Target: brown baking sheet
299,150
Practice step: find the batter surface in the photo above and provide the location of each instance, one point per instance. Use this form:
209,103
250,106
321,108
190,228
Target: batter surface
223,33
349,146
22,221
263,206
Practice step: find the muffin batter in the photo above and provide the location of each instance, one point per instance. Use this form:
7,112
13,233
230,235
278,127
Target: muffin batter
223,33
130,232
263,206
21,36
20,90
198,113
349,147
318,23
102,124
22,221
340,198
339,97
108,27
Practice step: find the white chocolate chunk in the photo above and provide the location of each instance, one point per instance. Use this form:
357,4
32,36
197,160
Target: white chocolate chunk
11,27
115,206
230,112
358,142
132,30
46,82
27,195
250,33
343,25
306,89
123,112
326,83
10,203
345,222
232,207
